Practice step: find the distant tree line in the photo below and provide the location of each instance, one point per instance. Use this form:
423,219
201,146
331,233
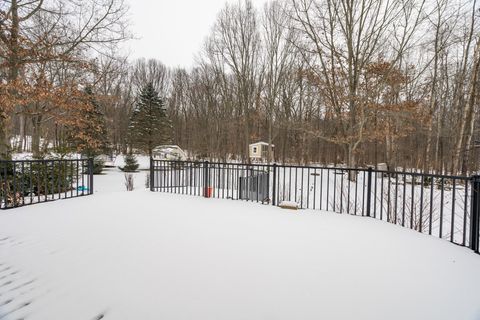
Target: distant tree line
345,82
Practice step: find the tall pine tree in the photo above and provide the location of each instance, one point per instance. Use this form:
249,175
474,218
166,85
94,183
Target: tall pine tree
149,125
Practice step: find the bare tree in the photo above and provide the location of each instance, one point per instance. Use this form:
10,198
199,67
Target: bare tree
343,37
235,42
278,60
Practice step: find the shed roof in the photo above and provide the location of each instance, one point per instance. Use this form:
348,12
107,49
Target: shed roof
261,143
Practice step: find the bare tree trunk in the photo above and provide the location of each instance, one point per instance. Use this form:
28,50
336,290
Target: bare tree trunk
4,145
21,141
270,138
468,145
13,71
36,133
464,132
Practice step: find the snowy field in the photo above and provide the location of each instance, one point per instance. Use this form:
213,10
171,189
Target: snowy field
147,255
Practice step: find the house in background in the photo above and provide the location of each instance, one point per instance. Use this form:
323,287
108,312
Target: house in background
259,151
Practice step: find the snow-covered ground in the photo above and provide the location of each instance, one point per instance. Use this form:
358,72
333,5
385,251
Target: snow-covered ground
144,255
441,208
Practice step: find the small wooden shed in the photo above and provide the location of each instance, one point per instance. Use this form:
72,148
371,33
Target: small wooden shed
258,151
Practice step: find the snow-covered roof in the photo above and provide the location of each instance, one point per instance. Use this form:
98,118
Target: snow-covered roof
169,147
261,143
173,150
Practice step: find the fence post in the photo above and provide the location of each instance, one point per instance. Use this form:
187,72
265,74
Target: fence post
369,190
152,173
475,214
90,175
274,187
206,179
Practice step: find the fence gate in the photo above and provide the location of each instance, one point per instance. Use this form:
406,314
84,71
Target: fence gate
254,187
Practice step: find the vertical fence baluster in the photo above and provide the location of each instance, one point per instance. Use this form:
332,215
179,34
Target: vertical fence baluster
15,202
314,187
328,188
375,195
45,180
341,192
57,175
369,191
296,183
290,184
465,204
452,222
404,196
420,226
441,209
3,184
301,188
375,180
82,172
475,214
381,197
321,188
71,178
205,178
349,173
256,178
223,179
396,200
356,194
430,218
23,183
152,172
53,179
30,183
90,187
334,189
308,188
190,168
412,210
274,186
363,193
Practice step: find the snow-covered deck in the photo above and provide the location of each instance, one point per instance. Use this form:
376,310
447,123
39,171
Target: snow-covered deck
143,255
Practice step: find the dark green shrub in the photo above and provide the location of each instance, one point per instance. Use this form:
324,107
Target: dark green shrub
131,164
98,165
53,177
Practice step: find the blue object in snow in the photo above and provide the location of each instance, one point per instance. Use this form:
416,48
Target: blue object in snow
82,188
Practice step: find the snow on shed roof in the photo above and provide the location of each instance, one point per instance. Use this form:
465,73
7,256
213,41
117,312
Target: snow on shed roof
261,143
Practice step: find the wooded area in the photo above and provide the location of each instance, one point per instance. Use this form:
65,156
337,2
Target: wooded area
354,82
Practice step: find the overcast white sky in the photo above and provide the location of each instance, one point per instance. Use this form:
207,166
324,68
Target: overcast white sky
173,31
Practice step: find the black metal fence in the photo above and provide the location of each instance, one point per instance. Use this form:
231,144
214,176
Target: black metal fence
25,182
444,206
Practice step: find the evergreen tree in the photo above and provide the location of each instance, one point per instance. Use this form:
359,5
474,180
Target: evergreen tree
149,125
131,164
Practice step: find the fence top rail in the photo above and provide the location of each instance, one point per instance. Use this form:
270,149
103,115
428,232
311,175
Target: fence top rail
386,172
44,160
